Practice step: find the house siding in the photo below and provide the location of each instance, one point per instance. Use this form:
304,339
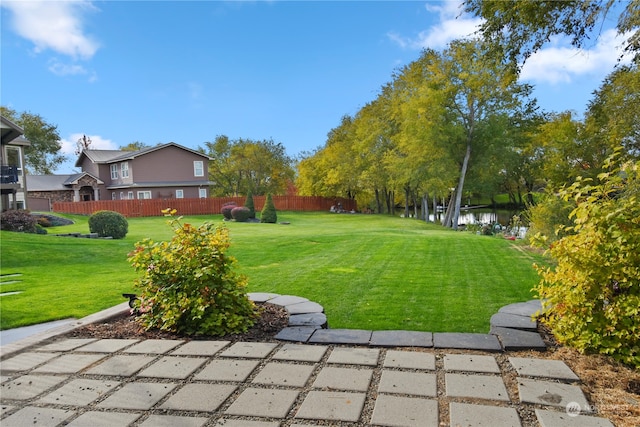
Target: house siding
176,165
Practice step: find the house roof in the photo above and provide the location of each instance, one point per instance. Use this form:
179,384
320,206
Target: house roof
56,182
10,130
113,156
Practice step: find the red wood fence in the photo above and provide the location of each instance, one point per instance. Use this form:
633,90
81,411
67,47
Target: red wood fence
208,206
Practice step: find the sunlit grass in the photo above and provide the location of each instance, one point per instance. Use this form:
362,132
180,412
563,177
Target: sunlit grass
368,271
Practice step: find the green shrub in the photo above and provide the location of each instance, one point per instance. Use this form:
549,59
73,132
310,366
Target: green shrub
250,205
226,210
19,220
188,285
592,296
549,218
268,213
108,224
241,213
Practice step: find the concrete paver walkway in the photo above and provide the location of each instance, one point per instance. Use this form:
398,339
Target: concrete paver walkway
88,382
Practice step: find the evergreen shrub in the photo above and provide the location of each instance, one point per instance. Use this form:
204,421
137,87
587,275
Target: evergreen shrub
108,224
250,205
268,214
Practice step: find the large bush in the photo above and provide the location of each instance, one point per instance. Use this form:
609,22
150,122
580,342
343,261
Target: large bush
549,218
188,284
226,210
268,213
592,295
18,220
108,224
241,213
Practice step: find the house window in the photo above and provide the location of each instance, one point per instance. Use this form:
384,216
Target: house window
122,195
198,168
144,194
13,157
124,169
114,196
114,171
179,194
202,193
130,195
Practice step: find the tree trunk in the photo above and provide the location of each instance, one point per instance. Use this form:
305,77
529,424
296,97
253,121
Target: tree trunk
407,192
378,202
448,215
459,190
425,207
415,204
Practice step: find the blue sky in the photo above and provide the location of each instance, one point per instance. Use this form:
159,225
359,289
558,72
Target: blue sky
161,71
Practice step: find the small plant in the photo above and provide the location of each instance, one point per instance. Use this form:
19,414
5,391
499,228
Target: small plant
268,214
108,224
19,220
188,284
241,213
250,205
226,210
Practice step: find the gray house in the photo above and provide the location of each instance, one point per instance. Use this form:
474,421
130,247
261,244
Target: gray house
164,171
13,182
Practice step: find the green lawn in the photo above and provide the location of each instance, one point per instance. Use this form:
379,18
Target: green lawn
368,271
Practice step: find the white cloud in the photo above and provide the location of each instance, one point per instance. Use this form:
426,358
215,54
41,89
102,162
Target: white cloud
68,146
453,24
54,25
557,64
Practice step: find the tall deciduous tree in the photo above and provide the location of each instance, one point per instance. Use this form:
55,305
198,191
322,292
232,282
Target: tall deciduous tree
43,155
244,165
519,28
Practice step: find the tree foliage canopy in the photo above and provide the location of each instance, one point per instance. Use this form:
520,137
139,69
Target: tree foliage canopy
43,155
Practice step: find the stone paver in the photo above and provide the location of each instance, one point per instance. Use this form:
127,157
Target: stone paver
478,386
227,370
67,344
332,406
69,363
353,379
341,336
414,383
285,300
304,308
548,418
224,422
153,346
79,392
507,320
250,350
29,386
284,374
200,348
409,360
401,339
31,415
121,365
301,353
516,339
471,362
465,414
263,403
354,356
107,345
173,367
26,361
543,368
527,309
405,411
104,419
550,393
137,395
462,341
173,421
199,397
308,319
296,333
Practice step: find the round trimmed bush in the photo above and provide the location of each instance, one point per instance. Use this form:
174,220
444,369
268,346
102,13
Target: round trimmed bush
226,210
108,224
19,220
241,213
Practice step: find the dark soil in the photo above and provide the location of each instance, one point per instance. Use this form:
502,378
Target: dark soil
273,319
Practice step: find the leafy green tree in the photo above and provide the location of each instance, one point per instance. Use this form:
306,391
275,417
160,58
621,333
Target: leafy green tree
592,295
134,146
520,28
244,165
43,156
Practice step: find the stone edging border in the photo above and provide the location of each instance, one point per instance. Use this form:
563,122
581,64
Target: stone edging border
512,328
